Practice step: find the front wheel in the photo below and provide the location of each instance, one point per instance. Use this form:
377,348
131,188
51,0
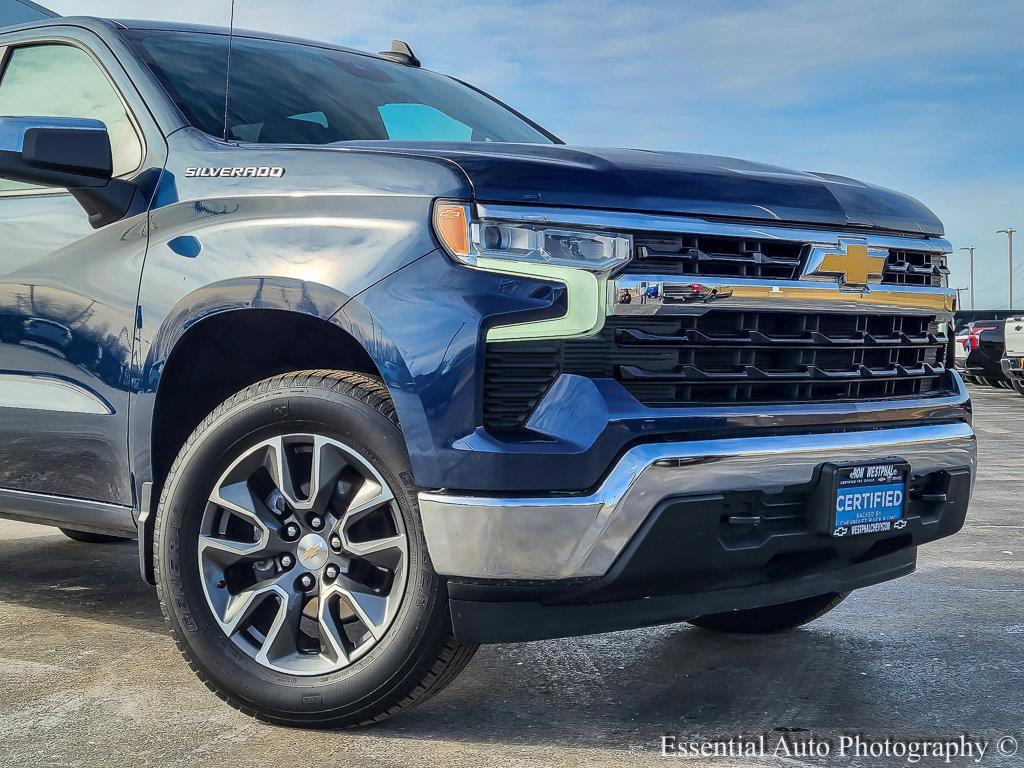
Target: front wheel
771,618
291,563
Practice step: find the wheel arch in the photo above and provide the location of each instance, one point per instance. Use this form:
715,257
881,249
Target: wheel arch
215,342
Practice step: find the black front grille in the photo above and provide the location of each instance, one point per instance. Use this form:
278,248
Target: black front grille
698,255
707,256
725,357
915,268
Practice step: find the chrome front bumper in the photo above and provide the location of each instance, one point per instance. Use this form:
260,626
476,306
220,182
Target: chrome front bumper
565,537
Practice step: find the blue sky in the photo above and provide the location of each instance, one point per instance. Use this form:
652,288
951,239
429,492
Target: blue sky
926,96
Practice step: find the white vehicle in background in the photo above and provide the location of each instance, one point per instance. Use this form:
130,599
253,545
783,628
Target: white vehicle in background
1013,361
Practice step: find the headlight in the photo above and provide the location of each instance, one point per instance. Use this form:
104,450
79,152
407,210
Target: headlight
473,241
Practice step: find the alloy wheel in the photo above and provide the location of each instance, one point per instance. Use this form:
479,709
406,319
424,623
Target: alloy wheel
303,554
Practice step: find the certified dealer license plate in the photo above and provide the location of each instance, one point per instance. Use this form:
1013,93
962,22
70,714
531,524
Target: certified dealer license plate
869,498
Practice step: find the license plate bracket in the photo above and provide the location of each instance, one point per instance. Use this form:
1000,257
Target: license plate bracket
861,498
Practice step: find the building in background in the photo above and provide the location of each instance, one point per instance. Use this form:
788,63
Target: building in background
20,11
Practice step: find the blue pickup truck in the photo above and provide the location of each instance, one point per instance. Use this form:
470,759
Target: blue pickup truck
377,369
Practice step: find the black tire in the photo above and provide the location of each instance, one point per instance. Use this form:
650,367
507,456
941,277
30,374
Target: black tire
771,618
415,658
87,537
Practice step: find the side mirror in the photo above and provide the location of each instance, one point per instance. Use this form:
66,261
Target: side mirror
64,152
55,152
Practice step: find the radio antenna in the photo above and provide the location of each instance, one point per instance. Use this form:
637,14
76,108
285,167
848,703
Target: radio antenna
227,74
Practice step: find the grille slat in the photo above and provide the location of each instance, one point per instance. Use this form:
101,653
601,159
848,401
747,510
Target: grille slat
691,373
915,268
631,336
728,357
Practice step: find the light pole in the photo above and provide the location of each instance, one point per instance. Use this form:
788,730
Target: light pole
1009,235
970,249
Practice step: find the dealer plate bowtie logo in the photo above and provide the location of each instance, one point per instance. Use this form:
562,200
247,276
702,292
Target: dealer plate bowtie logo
854,264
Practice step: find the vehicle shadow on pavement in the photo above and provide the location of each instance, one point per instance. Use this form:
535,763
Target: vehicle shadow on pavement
97,582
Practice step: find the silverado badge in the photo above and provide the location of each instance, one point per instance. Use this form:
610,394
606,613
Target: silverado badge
236,172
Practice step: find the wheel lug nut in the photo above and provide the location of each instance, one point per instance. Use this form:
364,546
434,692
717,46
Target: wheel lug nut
331,571
306,581
336,543
316,523
291,531
287,561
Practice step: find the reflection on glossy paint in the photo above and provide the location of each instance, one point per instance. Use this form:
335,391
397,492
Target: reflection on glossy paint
49,393
67,308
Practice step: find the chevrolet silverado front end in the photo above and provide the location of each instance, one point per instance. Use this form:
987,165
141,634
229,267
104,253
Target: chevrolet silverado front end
407,374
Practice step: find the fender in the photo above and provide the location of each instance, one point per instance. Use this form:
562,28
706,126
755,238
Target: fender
428,346
230,295
221,244
334,224
370,333
267,292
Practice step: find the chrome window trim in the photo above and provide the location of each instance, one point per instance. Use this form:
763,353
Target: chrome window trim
690,225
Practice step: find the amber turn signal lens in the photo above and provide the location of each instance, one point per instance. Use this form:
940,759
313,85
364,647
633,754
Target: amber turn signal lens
451,222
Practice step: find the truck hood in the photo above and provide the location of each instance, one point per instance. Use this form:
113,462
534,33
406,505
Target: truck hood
669,182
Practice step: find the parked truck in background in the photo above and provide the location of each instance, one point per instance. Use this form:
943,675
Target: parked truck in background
980,349
1013,361
377,369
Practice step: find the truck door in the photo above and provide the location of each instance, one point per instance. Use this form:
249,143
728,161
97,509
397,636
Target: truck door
68,292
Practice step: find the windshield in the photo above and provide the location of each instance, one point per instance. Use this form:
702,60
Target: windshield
290,93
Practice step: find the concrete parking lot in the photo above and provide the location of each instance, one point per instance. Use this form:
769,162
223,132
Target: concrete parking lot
88,675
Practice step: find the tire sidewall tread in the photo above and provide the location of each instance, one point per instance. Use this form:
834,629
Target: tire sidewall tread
405,678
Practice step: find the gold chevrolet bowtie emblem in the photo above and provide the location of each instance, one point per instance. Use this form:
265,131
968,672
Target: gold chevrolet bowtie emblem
855,264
